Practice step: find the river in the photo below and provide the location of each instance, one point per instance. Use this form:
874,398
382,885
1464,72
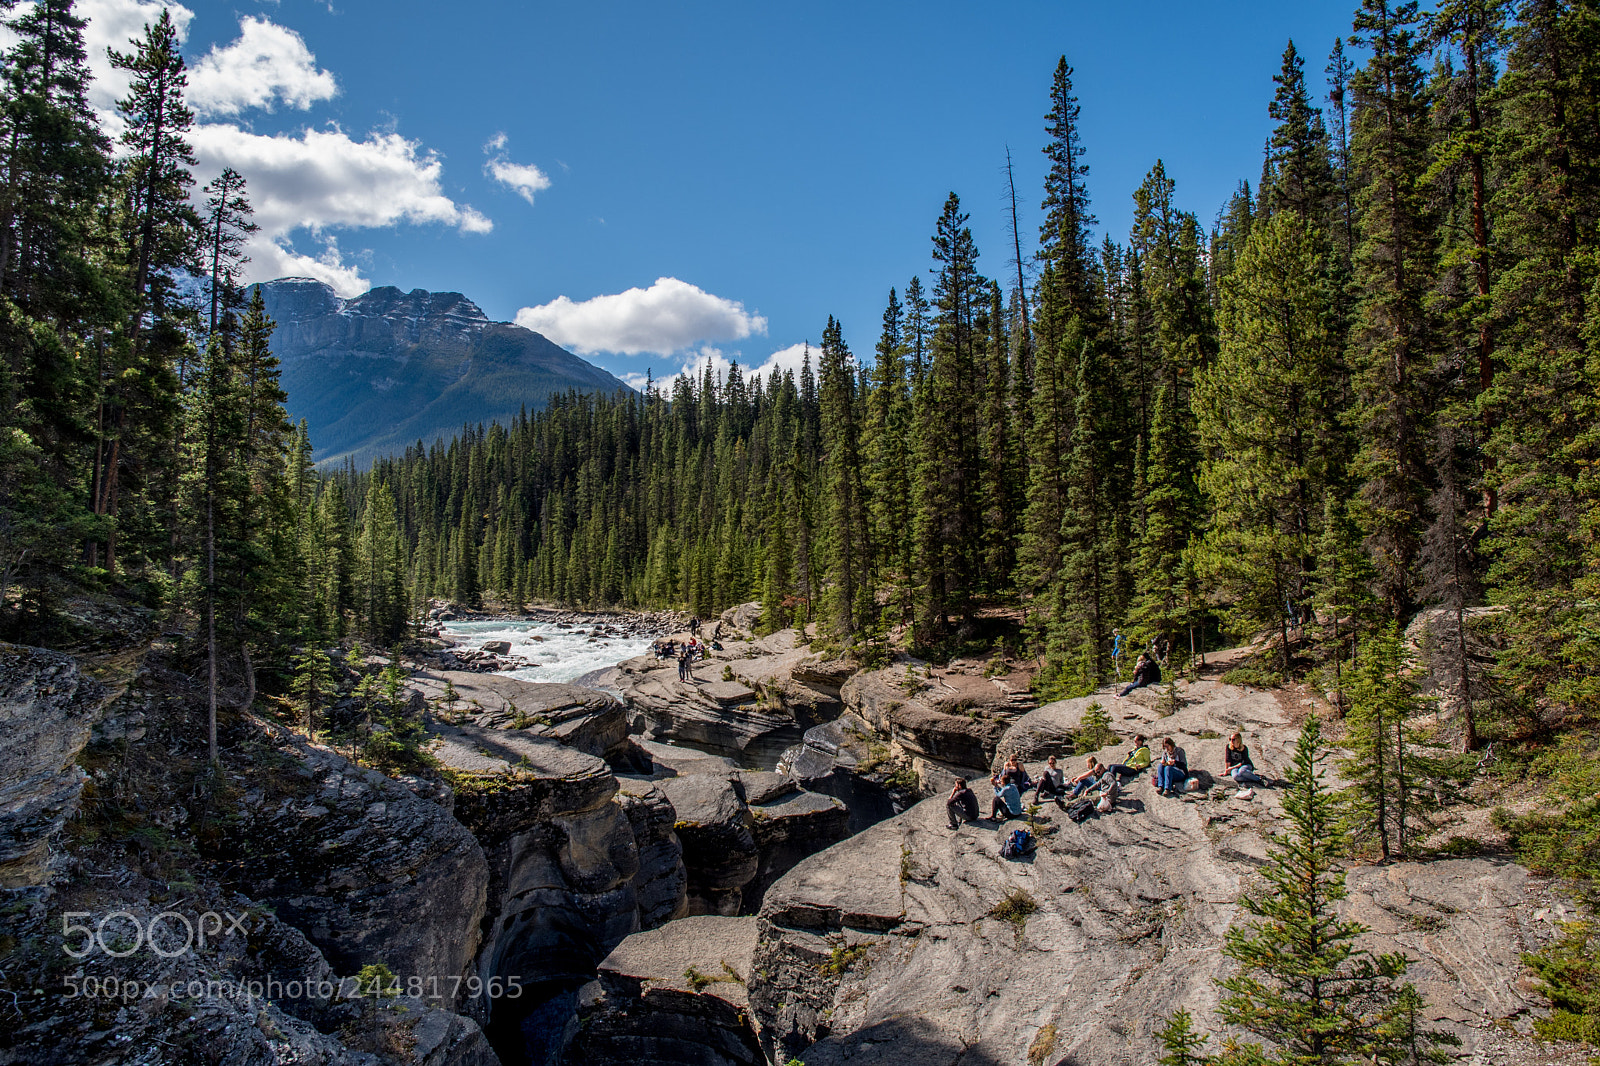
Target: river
561,654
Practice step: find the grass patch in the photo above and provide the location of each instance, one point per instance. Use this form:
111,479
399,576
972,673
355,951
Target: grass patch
1253,676
842,958
1044,1042
699,979
1015,908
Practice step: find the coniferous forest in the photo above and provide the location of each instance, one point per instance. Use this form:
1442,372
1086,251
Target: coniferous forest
1366,387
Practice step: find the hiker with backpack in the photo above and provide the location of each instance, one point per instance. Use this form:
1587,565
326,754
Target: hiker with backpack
1052,783
1174,769
961,805
1137,759
1007,800
1145,672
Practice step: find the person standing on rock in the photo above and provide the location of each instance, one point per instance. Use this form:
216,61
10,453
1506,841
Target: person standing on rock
1137,759
683,664
962,805
1007,800
1237,765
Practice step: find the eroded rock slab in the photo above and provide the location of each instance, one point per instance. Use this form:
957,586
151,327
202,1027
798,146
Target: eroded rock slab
47,707
674,995
582,718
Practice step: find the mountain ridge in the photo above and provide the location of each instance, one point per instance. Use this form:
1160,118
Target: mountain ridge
376,373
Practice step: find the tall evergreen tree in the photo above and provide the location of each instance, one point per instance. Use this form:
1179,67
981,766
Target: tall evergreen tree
1393,270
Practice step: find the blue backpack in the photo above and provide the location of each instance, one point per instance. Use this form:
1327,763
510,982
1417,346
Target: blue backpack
1019,842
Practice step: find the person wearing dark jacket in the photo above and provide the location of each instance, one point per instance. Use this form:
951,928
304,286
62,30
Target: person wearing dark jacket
1236,762
1145,672
962,805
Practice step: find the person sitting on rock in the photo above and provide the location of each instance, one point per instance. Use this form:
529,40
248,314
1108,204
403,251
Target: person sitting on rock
1174,769
1094,770
1051,783
1237,765
1015,773
962,804
1137,759
1145,672
1007,800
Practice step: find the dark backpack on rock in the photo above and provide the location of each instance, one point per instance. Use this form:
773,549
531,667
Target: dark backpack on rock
1081,809
1019,843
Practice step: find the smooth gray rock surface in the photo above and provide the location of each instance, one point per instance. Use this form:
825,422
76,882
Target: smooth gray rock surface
1130,909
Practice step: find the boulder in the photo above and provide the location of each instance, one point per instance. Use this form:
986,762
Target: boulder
674,995
719,849
47,707
496,647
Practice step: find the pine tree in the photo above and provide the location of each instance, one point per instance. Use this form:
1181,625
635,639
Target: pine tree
1303,986
160,237
885,448
313,687
849,550
228,225
1268,417
1180,1043
1302,177
946,433
1382,771
1068,286
1394,264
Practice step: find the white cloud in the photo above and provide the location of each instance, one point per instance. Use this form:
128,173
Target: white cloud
667,317
116,24
277,259
309,183
524,179
694,366
324,179
267,64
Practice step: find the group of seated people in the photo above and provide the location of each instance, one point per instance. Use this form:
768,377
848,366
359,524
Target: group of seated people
673,649
1171,774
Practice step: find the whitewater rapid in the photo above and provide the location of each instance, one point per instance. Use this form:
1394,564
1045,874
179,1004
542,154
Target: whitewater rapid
562,654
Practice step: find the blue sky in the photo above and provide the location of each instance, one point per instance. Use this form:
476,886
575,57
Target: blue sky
775,164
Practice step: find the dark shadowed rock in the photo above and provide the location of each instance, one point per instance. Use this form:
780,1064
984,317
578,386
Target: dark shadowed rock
719,850
370,872
674,995
661,885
